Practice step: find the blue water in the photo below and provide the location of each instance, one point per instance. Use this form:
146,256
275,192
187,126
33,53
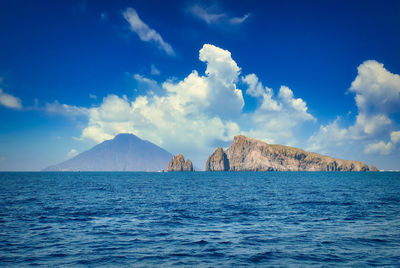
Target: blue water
200,219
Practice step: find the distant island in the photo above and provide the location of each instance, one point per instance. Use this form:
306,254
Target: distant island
127,152
247,154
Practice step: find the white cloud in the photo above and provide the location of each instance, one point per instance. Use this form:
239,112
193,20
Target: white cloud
239,20
276,117
377,90
298,106
92,96
72,153
144,32
379,147
10,101
194,115
190,117
255,88
384,148
65,109
284,103
395,137
377,99
328,138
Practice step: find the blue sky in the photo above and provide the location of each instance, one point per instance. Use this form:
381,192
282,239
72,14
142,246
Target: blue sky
189,75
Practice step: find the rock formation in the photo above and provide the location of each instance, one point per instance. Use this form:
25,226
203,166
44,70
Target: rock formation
247,154
218,161
373,168
178,163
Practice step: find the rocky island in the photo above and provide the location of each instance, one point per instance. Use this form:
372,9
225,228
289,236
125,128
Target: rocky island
248,154
178,163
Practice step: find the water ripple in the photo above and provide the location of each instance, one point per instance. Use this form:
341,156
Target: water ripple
199,219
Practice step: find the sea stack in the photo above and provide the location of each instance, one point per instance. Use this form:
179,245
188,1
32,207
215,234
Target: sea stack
247,154
178,163
373,168
218,161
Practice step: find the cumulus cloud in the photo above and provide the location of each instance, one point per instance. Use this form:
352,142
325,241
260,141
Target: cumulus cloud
377,90
377,97
276,117
10,101
384,148
144,32
379,147
201,111
213,15
190,117
395,137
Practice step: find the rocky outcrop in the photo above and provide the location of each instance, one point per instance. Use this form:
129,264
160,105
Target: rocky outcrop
178,163
247,154
218,161
373,168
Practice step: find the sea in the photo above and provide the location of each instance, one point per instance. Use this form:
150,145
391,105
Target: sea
200,219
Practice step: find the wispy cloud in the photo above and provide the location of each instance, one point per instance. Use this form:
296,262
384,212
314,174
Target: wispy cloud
204,14
10,101
144,32
239,20
213,15
154,70
65,109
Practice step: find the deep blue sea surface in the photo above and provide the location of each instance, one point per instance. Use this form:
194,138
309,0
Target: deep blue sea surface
200,219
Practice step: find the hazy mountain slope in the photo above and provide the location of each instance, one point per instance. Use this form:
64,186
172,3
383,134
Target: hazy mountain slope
125,152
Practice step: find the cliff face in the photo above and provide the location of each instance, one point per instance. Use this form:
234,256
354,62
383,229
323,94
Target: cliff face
178,163
218,161
254,155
